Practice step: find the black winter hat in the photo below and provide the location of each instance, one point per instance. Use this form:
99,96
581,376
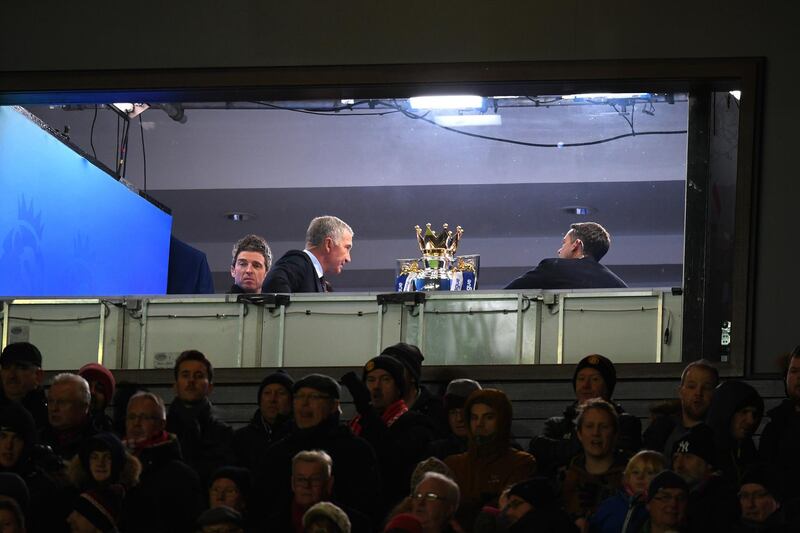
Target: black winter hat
409,355
767,476
13,486
219,516
666,479
18,420
537,491
698,441
104,442
390,365
280,377
603,365
241,476
320,382
458,391
21,353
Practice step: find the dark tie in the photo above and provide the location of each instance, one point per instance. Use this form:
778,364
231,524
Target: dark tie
323,284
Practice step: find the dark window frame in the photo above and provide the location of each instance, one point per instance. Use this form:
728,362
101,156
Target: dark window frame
695,76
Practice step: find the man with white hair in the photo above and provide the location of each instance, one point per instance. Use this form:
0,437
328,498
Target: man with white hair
68,401
434,501
328,244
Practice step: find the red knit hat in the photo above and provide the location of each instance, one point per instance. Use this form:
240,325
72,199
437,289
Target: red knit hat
96,372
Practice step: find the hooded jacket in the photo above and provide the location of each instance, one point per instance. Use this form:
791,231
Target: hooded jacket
733,457
125,468
486,469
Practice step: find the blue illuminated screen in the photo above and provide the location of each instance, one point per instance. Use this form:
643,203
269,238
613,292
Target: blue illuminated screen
68,228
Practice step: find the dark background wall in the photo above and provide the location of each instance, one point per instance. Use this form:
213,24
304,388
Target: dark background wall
94,35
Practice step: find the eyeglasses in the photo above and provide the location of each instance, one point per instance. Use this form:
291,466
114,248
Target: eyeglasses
428,497
314,481
312,397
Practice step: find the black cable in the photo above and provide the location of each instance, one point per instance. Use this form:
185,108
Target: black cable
116,148
91,132
539,145
332,112
144,154
623,115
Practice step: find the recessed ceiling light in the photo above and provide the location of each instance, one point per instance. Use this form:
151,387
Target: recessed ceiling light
581,210
239,217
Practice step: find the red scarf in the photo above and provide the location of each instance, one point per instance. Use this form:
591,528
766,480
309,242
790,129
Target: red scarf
389,416
137,445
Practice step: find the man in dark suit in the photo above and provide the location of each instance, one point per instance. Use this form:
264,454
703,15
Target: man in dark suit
328,243
578,263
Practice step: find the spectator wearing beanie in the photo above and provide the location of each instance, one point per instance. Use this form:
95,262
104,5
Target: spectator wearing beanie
270,422
232,487
418,397
40,469
713,506
532,505
325,517
490,463
666,498
454,398
221,519
97,510
317,426
400,437
594,377
101,385
22,376
102,461
761,499
735,414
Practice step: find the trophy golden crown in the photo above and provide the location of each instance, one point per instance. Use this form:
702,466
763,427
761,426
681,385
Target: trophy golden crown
443,243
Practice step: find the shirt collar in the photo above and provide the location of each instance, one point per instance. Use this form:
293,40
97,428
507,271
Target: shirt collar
315,261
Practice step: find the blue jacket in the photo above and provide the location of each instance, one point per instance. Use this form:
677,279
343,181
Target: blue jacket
617,512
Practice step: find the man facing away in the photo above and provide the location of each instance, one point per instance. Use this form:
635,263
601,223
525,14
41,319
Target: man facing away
577,265
328,244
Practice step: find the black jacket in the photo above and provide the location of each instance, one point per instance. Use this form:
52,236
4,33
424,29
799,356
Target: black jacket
168,497
36,404
399,448
50,496
780,445
250,443
355,467
556,273
713,506
558,443
432,406
732,456
294,272
206,441
66,444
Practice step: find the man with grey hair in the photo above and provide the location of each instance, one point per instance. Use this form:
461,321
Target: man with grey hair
434,501
250,262
68,419
312,483
328,244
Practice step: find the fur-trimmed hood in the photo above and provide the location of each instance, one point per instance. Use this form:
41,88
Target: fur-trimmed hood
79,475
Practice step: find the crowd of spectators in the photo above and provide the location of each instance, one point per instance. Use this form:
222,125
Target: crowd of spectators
408,461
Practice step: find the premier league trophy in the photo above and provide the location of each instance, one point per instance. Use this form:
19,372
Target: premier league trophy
441,270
